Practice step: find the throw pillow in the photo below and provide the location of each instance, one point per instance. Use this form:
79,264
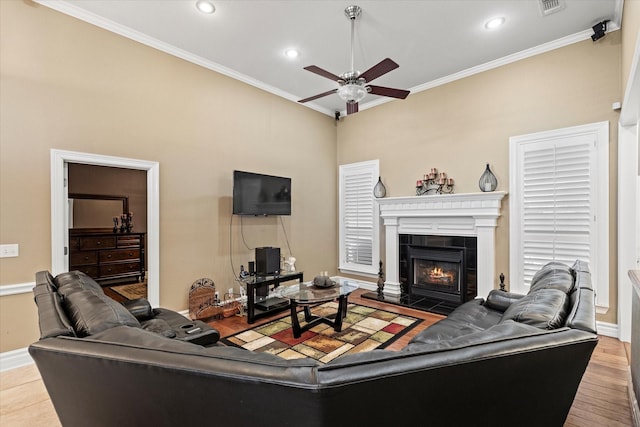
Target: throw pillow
553,275
546,308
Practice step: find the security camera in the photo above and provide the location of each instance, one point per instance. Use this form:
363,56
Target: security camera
599,30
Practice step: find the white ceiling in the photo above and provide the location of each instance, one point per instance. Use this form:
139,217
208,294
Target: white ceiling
433,41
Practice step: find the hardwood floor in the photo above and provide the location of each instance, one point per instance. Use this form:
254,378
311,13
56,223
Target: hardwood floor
602,399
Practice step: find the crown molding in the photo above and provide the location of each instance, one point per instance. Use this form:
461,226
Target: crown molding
109,25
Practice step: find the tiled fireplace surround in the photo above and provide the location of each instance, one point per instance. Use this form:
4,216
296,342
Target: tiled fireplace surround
467,215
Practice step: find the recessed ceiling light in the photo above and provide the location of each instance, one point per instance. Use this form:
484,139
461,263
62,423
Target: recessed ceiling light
205,6
494,23
291,53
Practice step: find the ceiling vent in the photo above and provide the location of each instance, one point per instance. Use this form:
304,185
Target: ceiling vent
547,7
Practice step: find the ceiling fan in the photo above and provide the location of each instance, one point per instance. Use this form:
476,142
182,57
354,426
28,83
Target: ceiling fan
353,85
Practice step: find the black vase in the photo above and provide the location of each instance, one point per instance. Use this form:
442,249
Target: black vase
488,181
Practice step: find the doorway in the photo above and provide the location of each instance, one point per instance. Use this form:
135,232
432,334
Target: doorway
60,214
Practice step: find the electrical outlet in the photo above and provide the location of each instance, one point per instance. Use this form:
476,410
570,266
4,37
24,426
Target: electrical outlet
230,291
9,251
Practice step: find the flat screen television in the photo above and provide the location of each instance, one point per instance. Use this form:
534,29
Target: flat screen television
257,194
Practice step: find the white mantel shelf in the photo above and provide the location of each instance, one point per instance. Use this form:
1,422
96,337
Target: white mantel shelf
469,215
474,204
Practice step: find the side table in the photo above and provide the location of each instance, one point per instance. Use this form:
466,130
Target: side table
261,284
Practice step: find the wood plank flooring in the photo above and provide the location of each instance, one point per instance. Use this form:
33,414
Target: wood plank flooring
602,398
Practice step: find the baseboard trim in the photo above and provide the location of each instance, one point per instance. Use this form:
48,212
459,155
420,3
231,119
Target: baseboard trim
15,359
633,400
608,329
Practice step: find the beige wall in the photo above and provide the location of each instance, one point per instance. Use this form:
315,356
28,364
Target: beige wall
68,85
461,126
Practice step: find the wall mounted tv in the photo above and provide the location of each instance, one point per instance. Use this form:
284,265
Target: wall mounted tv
257,194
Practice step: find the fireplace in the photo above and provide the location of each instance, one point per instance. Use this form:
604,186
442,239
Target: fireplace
436,273
460,220
445,215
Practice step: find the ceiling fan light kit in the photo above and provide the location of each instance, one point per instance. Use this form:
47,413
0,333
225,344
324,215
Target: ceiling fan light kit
352,85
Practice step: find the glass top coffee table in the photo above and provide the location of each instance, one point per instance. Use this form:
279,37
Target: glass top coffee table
308,295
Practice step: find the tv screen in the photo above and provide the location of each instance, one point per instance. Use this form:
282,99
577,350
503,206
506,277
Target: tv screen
257,194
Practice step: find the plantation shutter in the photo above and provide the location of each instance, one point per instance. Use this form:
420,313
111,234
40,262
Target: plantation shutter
358,217
557,203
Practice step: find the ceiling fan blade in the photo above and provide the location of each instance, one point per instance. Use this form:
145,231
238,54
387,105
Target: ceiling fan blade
389,91
320,95
381,68
352,107
319,71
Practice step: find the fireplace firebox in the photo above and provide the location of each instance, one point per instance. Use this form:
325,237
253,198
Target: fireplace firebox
437,273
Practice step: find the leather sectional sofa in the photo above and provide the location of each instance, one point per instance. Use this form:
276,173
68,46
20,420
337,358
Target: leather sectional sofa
509,360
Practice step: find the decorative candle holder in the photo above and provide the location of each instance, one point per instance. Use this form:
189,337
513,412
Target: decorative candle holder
488,181
126,222
434,183
379,190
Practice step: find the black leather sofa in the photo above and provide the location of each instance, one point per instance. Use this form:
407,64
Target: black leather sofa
509,360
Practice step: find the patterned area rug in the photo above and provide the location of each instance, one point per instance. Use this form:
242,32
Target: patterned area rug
363,329
132,291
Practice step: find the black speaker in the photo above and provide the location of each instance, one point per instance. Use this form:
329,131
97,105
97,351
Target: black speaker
267,261
252,268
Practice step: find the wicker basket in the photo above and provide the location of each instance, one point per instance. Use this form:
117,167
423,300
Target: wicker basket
230,307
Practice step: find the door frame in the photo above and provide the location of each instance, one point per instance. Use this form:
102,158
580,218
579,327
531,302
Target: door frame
59,212
628,194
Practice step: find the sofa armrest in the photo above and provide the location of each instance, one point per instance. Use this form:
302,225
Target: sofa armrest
140,308
501,300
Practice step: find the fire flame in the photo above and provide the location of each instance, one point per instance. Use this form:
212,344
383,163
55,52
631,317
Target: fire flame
438,273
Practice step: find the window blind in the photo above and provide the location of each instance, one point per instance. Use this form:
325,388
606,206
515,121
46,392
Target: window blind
358,239
557,203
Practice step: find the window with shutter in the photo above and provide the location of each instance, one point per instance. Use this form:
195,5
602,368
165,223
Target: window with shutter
559,204
359,227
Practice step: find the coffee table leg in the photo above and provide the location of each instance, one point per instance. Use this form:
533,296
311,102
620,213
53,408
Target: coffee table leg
342,312
295,323
307,314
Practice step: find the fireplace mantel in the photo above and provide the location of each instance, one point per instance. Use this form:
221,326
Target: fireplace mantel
471,214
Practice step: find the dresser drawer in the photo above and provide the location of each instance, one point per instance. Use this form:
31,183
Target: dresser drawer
89,270
102,242
128,240
120,268
120,255
83,258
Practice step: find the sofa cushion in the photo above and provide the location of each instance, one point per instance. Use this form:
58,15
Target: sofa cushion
91,313
140,308
553,275
468,318
74,281
159,326
501,300
545,308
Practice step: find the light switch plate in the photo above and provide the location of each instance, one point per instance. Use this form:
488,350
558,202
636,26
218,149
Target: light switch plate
9,251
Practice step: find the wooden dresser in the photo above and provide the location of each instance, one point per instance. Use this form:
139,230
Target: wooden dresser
107,256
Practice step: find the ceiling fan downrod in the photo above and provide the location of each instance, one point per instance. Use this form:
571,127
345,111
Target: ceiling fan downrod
352,12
